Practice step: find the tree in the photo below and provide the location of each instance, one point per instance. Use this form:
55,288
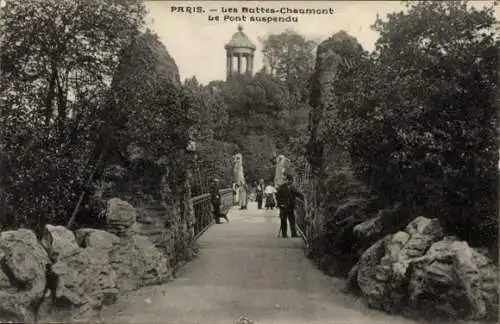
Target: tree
290,58
64,48
57,58
421,125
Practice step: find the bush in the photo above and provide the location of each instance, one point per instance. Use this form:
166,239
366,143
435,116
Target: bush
419,115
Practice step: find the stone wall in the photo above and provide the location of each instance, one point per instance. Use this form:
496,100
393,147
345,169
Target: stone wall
70,275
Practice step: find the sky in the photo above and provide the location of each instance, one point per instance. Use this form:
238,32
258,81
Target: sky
197,44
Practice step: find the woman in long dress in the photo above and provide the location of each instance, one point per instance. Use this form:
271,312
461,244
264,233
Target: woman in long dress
270,194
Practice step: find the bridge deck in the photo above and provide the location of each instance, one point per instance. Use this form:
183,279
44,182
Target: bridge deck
244,269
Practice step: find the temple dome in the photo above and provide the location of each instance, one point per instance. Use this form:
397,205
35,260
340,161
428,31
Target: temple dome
240,40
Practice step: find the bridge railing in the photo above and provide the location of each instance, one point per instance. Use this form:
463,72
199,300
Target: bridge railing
300,219
203,210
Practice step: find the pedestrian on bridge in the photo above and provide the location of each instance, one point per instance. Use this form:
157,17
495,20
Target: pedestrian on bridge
286,202
260,193
216,201
270,193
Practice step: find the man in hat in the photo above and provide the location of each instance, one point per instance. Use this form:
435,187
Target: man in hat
286,202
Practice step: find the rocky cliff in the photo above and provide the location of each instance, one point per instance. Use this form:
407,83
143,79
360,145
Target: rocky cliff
70,275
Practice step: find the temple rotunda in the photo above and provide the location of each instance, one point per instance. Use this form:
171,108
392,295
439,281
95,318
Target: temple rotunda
239,52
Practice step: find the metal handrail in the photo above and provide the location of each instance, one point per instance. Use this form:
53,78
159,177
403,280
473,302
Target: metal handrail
203,210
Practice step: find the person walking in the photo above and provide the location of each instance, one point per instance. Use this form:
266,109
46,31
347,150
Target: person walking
216,200
286,202
270,193
260,193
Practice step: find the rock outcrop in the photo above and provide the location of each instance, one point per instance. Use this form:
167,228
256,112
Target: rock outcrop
419,272
97,239
85,282
82,278
58,240
120,217
70,276
23,281
453,280
138,263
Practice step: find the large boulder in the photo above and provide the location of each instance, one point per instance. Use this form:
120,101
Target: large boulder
85,282
419,272
22,276
58,240
137,263
97,239
98,267
382,269
374,273
120,217
453,280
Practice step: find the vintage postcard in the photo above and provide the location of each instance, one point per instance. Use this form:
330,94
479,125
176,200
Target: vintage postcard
249,162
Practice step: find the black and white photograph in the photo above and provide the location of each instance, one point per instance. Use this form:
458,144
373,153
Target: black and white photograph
249,162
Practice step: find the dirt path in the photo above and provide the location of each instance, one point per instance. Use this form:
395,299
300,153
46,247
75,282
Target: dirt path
244,269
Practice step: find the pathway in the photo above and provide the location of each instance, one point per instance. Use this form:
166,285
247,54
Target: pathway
244,269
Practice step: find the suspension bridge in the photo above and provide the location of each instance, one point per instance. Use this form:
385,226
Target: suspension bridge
246,273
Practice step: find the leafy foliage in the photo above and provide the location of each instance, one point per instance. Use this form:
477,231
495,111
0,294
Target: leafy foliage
418,116
289,57
57,58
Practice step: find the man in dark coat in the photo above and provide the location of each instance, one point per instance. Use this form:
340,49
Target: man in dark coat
216,200
259,188
286,202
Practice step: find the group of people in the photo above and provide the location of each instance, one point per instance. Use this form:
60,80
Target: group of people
284,197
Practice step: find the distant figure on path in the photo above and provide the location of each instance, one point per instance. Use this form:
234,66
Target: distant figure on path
260,193
270,193
286,201
243,193
216,200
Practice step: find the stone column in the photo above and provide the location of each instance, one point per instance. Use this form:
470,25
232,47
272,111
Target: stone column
229,64
250,63
247,61
239,63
